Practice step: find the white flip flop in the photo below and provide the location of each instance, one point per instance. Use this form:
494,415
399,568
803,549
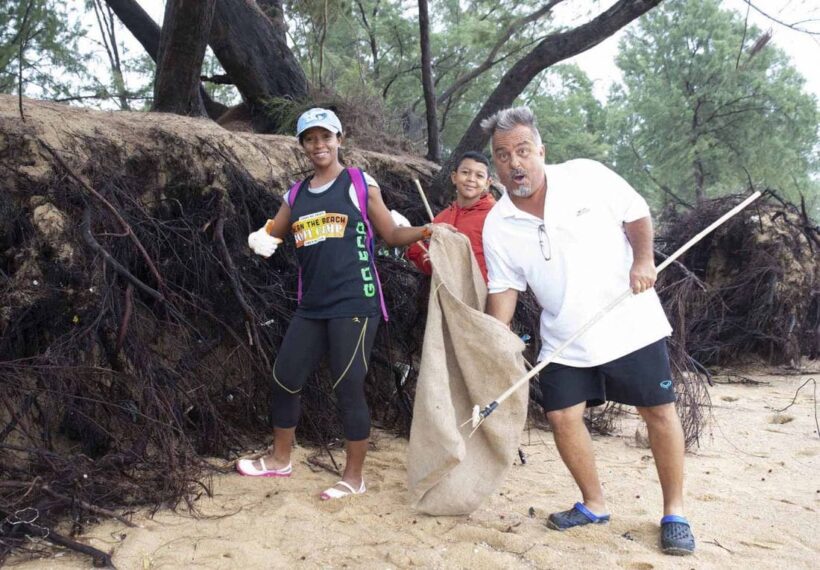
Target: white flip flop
246,467
334,493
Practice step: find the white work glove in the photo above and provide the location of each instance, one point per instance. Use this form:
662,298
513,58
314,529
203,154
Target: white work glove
400,220
262,243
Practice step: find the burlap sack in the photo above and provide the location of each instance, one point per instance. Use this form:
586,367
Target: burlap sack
468,358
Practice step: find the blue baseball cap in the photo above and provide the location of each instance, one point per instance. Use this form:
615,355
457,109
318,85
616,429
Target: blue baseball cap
318,117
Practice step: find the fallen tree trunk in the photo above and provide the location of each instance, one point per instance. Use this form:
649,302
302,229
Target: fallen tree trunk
136,327
761,273
177,145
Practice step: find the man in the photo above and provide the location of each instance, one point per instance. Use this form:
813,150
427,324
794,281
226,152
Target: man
578,235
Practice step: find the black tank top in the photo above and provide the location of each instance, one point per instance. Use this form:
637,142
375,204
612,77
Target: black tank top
338,278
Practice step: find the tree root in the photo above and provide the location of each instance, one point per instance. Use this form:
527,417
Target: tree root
115,265
236,287
100,558
126,227
126,318
36,484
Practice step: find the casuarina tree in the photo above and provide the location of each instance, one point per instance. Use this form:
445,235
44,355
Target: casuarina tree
708,106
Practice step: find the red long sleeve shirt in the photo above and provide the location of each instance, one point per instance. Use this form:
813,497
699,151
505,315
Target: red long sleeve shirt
469,221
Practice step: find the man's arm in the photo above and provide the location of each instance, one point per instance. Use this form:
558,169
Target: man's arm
642,275
502,305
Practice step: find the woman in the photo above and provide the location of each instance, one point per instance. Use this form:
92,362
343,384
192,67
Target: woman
473,202
339,294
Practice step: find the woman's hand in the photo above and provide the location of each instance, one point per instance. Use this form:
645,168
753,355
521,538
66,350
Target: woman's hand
262,243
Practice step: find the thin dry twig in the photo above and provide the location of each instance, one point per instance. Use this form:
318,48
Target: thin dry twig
814,396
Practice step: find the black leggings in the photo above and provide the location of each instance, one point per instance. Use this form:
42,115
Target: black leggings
348,341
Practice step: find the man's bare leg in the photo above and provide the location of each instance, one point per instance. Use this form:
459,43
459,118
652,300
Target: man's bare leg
575,447
667,443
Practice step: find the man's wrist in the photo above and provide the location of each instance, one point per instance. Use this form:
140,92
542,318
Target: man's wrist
426,231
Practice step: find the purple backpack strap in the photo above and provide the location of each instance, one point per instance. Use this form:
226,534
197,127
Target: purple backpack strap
292,192
291,199
360,186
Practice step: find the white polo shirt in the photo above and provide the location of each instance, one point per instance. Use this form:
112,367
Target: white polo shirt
590,257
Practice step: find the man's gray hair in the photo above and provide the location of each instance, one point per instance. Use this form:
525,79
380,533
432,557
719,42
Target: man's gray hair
508,119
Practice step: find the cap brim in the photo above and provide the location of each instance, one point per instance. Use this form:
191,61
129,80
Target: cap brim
328,127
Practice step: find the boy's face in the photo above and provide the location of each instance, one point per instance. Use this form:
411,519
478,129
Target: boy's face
471,178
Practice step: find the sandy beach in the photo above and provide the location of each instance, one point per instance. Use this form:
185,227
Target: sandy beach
752,491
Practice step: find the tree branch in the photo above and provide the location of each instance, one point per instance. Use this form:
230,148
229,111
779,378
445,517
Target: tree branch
219,79
781,22
88,237
514,27
22,34
657,182
433,147
553,49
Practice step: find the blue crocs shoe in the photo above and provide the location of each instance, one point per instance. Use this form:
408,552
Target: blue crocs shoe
676,536
578,515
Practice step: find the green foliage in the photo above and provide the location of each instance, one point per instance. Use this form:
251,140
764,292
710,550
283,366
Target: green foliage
571,120
52,61
284,113
139,79
66,57
386,65
701,114
697,115
120,76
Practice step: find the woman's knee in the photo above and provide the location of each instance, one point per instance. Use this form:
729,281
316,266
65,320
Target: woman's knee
287,383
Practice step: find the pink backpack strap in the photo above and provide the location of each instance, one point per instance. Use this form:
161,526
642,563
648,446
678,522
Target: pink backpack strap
360,185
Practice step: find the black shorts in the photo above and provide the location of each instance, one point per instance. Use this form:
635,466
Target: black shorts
641,378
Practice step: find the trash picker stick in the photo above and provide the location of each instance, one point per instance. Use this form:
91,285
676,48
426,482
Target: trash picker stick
712,227
479,414
424,198
426,207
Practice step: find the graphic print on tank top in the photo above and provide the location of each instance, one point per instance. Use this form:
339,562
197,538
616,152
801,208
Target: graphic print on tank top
315,228
338,279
